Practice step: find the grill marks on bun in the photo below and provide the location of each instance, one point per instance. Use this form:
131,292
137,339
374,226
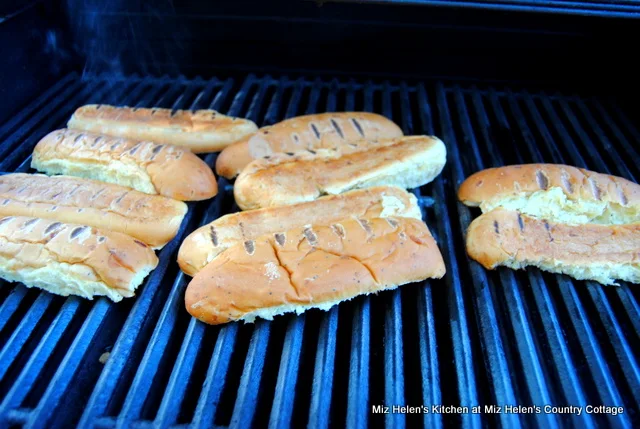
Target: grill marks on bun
560,193
555,217
72,259
328,131
318,266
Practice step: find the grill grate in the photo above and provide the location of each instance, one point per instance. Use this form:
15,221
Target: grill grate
474,338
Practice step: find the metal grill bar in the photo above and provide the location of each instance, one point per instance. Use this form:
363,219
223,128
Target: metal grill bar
500,377
537,387
20,146
245,408
358,397
429,366
19,119
618,133
11,304
617,338
169,407
285,392
464,359
122,349
245,404
226,340
281,409
150,364
22,333
394,382
68,367
107,379
321,393
36,114
483,337
36,311
608,393
537,280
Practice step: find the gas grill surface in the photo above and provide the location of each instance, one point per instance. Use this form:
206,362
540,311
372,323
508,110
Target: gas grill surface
473,338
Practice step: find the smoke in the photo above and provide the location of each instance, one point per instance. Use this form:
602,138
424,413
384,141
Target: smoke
53,48
120,37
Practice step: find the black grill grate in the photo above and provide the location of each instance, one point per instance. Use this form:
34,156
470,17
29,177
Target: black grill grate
474,338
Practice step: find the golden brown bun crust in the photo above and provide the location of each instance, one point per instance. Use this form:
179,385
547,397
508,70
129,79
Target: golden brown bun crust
205,243
577,183
284,179
199,131
171,171
113,259
325,130
312,266
503,237
152,219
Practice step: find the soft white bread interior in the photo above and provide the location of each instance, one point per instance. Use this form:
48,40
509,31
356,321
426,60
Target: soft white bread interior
167,170
318,131
313,267
284,179
604,253
152,219
205,243
556,192
199,131
70,259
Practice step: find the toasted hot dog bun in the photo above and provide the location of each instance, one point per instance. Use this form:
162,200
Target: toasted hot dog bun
313,267
604,253
284,179
199,131
556,192
70,259
205,243
325,130
153,219
145,166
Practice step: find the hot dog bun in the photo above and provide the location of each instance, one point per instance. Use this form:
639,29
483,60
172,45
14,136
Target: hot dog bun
285,179
150,218
313,267
199,131
555,192
147,167
71,259
324,130
205,243
604,253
